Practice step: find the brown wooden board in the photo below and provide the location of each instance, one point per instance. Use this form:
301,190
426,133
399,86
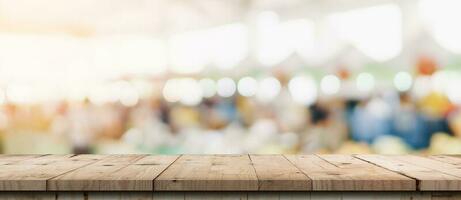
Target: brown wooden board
276,173
346,173
454,160
429,179
92,177
6,159
138,176
209,173
125,173
32,174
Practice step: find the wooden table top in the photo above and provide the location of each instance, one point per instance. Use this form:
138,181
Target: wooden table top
229,173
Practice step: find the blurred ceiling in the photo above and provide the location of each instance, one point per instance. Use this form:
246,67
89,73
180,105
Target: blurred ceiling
152,17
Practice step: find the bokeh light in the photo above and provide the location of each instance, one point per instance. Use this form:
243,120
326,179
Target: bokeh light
330,84
247,86
226,87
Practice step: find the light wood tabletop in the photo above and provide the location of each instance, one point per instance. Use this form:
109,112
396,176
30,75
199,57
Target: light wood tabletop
229,173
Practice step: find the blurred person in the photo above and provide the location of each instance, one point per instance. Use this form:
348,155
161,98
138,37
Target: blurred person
370,119
184,117
291,116
408,123
146,129
327,132
210,116
454,120
263,137
78,123
247,109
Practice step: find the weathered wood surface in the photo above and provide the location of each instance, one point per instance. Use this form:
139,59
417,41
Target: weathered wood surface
189,173
276,173
209,173
347,173
429,176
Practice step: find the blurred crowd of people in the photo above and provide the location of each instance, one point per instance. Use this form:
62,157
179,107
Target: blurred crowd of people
384,121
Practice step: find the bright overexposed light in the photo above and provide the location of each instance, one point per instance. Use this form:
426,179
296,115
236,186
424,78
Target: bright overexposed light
2,96
140,55
247,86
170,90
18,93
189,52
208,87
330,84
376,31
226,87
272,46
185,90
403,81
440,81
224,46
229,45
422,86
303,90
127,94
299,36
268,89
99,94
454,89
442,18
191,93
365,82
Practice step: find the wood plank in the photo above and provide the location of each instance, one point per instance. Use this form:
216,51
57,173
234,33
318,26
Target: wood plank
32,174
428,179
137,176
346,173
209,173
276,173
44,160
378,178
454,160
442,167
6,159
91,177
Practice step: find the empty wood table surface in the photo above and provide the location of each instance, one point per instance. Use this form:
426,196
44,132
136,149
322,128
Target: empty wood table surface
240,175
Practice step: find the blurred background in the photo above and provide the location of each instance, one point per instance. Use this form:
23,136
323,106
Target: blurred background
230,76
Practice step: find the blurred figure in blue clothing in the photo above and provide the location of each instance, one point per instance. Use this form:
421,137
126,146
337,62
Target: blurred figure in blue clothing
409,124
369,120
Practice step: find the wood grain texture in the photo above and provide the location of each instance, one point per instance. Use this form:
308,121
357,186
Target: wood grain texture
92,177
454,160
428,178
137,176
125,173
442,167
6,159
32,174
346,173
209,173
276,173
